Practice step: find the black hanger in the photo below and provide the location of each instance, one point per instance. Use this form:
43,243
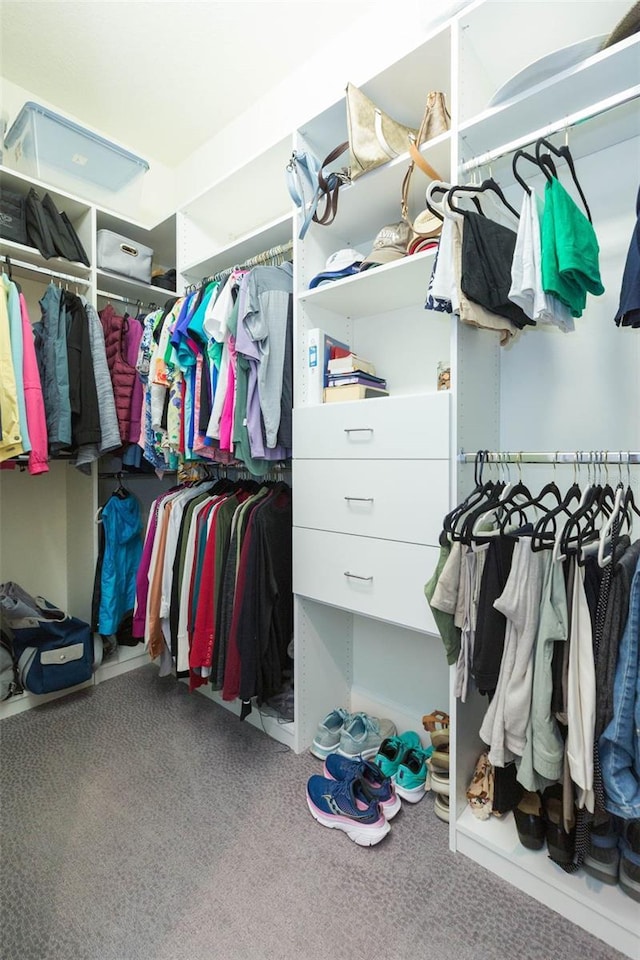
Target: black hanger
544,159
121,491
549,489
443,190
544,538
489,184
478,493
565,153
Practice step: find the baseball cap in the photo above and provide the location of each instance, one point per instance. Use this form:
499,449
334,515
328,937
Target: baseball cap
391,243
342,263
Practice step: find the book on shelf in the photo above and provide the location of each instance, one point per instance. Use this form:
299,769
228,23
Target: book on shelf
352,391
338,379
320,349
349,363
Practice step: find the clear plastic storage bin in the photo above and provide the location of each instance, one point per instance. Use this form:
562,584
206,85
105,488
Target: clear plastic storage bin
53,149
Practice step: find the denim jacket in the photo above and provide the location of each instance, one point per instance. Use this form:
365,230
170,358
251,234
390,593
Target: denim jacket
620,742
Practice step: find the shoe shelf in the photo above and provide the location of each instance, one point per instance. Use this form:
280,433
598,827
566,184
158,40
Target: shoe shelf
604,910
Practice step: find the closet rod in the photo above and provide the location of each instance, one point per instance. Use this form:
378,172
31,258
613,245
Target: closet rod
589,457
33,268
116,296
273,253
572,120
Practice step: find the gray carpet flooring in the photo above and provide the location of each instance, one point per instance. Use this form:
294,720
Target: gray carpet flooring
140,822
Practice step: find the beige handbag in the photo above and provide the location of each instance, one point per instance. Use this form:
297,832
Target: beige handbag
436,120
374,138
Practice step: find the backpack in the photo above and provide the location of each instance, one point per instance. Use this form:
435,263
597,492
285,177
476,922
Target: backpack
9,679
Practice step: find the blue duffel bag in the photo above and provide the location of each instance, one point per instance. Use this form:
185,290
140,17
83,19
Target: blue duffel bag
54,650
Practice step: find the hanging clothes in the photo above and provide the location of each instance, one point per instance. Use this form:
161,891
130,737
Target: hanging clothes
122,527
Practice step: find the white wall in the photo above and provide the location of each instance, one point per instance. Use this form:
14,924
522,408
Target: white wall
376,41
355,56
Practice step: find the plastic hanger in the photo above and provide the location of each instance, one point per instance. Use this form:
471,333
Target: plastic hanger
565,153
544,160
486,185
435,207
479,493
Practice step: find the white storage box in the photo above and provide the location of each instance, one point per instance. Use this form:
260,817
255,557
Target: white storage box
61,153
123,256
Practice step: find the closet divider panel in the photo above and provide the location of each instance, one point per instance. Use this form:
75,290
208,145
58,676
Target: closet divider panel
323,664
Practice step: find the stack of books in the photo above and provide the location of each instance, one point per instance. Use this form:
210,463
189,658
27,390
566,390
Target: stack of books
351,377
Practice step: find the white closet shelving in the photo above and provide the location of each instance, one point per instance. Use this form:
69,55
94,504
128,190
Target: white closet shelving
364,633
364,636
362,642
549,390
48,538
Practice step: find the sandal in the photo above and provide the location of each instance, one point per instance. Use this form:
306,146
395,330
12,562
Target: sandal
437,724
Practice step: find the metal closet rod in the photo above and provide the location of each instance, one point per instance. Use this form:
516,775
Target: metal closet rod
557,456
559,126
33,268
273,253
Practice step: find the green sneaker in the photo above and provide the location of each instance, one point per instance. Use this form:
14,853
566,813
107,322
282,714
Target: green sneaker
412,778
392,750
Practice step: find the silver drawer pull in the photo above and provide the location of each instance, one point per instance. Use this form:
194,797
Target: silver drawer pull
358,429
355,576
361,499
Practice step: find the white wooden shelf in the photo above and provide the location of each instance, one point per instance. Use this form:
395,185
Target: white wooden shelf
55,266
597,78
111,283
73,206
374,199
580,897
271,235
402,283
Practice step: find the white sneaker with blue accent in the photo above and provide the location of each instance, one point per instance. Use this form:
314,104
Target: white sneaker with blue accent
327,738
362,735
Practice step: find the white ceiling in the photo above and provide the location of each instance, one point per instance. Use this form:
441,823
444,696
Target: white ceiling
158,76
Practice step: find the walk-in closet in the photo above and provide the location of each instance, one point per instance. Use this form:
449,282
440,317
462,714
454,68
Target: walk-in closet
282,552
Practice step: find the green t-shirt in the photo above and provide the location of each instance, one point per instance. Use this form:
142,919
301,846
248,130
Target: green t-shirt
570,267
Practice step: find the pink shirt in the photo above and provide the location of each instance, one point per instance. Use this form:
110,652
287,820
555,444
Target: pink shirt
33,399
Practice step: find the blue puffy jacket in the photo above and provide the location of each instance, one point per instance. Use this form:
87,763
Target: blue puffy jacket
122,525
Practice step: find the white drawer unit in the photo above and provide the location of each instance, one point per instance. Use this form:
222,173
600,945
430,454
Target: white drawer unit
407,427
373,498
377,578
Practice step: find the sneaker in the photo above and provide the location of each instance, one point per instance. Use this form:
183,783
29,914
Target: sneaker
327,738
344,805
392,750
412,778
362,735
441,808
374,783
439,779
